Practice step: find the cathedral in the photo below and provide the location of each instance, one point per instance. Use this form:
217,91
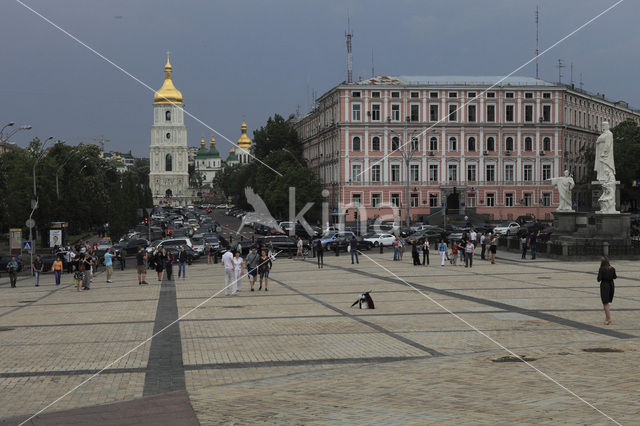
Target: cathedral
169,150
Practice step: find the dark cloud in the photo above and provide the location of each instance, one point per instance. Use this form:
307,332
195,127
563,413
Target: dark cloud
258,58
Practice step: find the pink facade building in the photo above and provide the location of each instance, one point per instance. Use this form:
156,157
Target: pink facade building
423,142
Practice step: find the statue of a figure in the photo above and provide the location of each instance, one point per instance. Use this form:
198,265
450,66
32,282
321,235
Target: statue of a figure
565,184
607,200
604,154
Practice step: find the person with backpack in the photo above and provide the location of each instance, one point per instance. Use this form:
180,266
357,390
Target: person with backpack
12,267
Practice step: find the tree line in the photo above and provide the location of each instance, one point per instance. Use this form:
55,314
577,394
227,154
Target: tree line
89,193
278,147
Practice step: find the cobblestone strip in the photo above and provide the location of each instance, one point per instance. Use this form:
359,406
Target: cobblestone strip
376,327
165,371
509,308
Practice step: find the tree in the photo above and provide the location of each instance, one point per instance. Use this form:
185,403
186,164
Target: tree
278,147
626,152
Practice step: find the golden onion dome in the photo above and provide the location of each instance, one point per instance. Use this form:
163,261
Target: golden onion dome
202,142
167,94
118,159
243,140
213,141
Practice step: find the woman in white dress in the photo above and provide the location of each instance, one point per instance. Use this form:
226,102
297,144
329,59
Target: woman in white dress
238,267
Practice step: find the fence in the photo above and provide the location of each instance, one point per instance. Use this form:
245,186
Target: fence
576,249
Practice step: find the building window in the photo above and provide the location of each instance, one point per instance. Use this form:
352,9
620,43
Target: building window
375,200
433,173
167,115
528,95
471,144
355,94
375,173
546,172
356,200
528,173
375,112
508,199
375,94
168,163
453,172
168,136
471,113
508,145
453,144
491,144
415,200
395,94
546,144
395,200
546,95
508,95
546,113
491,94
415,94
415,144
528,144
433,95
508,172
471,200
356,112
356,173
433,200
415,172
490,173
471,172
395,112
491,113
453,94
375,144
395,143
527,199
491,200
546,199
453,112
528,113
509,113
433,112
415,112
395,173
433,144
356,144
471,94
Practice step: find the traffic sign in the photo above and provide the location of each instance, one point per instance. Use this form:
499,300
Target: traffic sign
149,210
30,223
26,246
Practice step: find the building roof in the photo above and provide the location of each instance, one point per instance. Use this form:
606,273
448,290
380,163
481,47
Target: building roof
232,156
243,140
453,80
168,94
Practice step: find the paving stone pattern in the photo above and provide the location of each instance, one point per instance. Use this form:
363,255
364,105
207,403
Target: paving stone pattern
300,354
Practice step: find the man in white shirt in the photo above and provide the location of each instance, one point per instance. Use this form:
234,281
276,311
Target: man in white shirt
229,273
472,236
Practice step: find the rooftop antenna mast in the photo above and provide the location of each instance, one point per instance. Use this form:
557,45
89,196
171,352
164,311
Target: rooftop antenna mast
537,44
581,83
571,74
372,69
349,35
560,66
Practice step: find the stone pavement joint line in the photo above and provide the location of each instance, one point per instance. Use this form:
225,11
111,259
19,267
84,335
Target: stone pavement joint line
376,327
499,305
165,371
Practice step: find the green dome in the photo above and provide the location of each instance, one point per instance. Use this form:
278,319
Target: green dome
207,153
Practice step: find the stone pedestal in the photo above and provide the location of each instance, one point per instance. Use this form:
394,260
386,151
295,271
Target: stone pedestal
575,227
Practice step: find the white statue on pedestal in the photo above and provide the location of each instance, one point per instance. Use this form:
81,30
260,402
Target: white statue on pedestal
604,154
564,184
607,200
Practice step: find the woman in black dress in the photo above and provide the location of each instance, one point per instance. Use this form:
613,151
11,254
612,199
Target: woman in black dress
159,262
606,275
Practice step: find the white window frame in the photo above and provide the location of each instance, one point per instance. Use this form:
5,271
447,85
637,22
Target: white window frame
356,111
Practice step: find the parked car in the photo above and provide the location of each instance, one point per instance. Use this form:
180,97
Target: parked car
284,243
507,228
131,246
6,258
104,244
380,239
332,237
344,240
521,220
198,245
172,242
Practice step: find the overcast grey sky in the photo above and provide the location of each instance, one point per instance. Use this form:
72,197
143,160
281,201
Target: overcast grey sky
263,57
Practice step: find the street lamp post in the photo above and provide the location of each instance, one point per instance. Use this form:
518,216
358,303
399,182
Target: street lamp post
35,193
294,157
407,155
34,203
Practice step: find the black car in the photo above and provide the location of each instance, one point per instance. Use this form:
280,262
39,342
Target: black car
343,241
6,258
175,251
131,246
282,243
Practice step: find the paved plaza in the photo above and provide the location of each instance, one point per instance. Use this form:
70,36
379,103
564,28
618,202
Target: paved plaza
300,354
